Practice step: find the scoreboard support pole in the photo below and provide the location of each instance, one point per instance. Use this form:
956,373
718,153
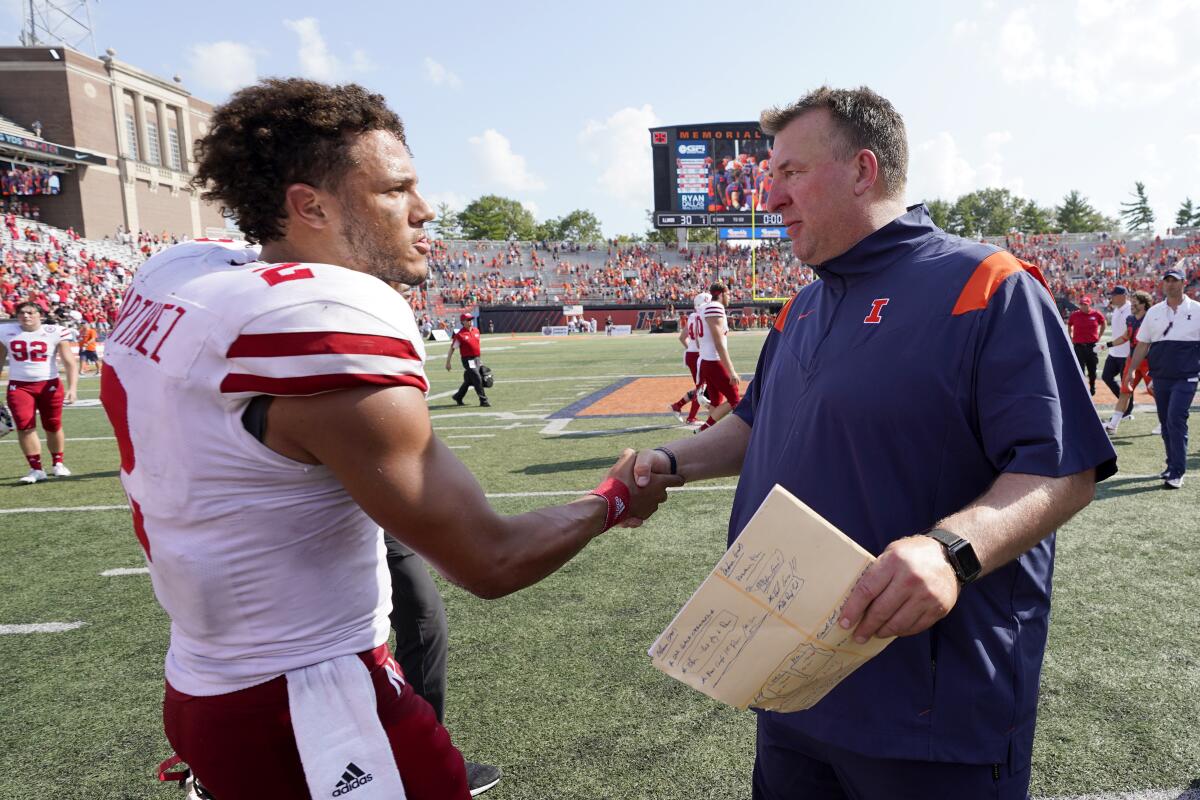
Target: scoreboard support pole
754,260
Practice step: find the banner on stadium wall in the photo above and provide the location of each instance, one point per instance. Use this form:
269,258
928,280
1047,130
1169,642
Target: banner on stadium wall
620,330
439,335
758,233
555,330
572,311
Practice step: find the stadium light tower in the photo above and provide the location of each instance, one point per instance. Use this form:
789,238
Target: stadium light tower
66,22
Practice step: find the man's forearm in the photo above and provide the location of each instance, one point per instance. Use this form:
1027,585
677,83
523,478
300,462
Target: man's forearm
1017,512
715,453
1135,358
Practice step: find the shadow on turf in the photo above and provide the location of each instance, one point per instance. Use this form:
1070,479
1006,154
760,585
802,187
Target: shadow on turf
588,464
78,476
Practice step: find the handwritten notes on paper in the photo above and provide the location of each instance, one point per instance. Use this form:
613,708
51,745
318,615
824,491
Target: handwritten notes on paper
762,629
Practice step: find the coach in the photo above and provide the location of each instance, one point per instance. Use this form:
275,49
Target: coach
1170,337
921,397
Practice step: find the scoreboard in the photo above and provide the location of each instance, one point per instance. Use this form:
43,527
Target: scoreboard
712,175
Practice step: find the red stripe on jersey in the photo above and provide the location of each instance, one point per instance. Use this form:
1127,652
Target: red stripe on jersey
312,343
315,384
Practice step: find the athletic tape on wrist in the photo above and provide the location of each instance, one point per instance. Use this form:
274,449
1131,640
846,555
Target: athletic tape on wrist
616,494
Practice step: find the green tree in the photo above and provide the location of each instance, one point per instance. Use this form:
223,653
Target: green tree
578,226
1137,214
627,239
1187,215
991,212
1076,215
446,222
497,218
1036,219
939,211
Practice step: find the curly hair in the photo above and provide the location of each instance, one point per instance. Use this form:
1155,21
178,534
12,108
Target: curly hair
279,132
864,119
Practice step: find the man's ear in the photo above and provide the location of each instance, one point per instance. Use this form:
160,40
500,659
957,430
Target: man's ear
867,167
306,205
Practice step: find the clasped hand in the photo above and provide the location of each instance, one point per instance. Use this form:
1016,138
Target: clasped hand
645,495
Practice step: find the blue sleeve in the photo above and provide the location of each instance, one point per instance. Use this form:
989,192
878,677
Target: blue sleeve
749,402
1034,412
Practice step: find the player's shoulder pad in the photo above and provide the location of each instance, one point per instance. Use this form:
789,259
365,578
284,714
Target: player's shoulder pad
987,278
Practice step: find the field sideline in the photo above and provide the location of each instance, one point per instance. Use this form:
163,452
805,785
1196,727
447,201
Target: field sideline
553,684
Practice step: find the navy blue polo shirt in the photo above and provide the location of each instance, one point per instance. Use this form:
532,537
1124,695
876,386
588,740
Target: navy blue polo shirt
891,393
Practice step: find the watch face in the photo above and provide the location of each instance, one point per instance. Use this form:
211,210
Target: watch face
968,562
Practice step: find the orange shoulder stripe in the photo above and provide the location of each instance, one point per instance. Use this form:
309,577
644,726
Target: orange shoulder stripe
988,276
781,320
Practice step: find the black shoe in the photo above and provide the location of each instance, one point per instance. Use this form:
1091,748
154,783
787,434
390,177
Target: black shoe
481,777
484,403
458,400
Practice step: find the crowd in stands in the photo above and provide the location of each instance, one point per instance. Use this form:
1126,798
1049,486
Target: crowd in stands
1075,270
58,268
21,181
60,272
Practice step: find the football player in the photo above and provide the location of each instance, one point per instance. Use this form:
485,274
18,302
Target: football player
302,376
34,388
716,370
689,337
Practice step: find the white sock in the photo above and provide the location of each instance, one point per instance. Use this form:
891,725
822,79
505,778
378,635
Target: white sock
1116,419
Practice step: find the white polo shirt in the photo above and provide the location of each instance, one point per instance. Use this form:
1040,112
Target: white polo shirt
1117,328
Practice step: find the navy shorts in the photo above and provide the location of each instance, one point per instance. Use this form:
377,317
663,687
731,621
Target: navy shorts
790,766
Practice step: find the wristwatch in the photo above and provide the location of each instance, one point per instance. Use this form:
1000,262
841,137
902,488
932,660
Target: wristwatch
959,553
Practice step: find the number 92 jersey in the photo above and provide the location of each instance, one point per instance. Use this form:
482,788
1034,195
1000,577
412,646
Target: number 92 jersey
33,355
264,564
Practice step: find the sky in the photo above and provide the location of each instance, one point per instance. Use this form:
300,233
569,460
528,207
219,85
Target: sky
550,104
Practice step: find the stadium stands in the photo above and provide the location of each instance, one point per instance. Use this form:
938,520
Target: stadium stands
58,267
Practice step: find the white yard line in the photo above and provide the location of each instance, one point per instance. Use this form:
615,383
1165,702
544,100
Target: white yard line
471,436
41,627
112,573
458,447
1144,794
55,509
69,439
490,495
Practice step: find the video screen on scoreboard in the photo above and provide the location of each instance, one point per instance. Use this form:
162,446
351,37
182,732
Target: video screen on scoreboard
714,168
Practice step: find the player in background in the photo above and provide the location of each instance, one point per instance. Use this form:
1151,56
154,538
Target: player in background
87,349
1140,305
689,337
34,388
716,371
302,377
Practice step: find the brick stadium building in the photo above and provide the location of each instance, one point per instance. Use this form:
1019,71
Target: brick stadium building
118,138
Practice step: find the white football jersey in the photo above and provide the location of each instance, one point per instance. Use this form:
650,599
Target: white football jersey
695,329
33,355
264,564
708,347
1118,325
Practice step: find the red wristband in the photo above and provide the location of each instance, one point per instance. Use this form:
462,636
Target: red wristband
616,494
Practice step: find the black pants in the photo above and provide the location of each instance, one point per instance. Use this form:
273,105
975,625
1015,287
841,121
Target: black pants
471,380
1088,360
419,619
1114,366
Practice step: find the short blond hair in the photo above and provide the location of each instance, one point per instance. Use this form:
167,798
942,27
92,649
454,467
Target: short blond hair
863,120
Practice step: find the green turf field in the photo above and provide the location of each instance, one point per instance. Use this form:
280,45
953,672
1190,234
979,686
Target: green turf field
553,684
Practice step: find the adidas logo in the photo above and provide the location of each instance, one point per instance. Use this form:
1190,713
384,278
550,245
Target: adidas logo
620,506
352,778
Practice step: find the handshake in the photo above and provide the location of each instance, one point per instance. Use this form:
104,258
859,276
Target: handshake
637,485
